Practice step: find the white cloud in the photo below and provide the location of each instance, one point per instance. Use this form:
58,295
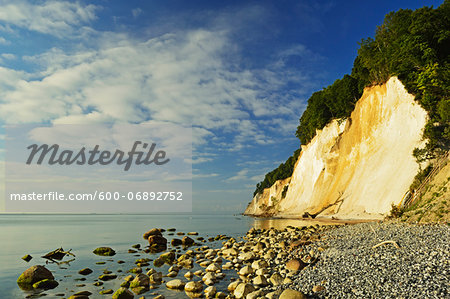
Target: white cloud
8,56
3,41
180,78
240,176
58,18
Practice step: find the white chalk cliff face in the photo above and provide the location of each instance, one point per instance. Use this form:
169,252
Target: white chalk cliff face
359,167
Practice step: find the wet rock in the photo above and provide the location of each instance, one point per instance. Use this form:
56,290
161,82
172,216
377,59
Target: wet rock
125,284
247,256
98,283
176,242
209,276
83,293
139,290
295,265
232,286
175,284
210,291
213,268
158,262
141,280
187,263
135,270
186,241
230,251
260,264
193,286
157,243
292,294
106,277
156,278
168,257
27,258
243,289
245,271
189,275
172,274
106,292
85,271
46,284
152,232
192,233
32,275
123,293
104,251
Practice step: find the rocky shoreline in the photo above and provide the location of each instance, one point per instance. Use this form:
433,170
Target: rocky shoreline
366,260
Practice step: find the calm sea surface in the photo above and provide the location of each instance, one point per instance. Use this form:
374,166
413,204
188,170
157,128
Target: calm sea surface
38,234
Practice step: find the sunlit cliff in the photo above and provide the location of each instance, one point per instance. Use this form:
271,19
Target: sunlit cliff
354,168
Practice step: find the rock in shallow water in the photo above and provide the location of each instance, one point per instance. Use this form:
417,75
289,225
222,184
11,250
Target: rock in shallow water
104,251
32,275
175,284
85,271
123,293
193,286
45,284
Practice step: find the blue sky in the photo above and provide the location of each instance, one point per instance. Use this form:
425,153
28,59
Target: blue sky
238,72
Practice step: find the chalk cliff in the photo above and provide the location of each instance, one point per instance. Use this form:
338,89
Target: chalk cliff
354,168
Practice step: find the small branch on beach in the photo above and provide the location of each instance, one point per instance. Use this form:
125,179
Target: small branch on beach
387,242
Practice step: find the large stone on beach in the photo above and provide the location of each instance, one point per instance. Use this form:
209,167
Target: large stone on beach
85,271
46,284
32,275
104,251
176,242
123,293
156,278
141,280
168,257
176,284
260,281
193,286
243,290
106,277
152,232
276,279
157,242
292,294
295,265
186,241
247,256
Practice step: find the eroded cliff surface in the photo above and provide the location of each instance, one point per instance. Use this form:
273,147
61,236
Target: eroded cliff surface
358,167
